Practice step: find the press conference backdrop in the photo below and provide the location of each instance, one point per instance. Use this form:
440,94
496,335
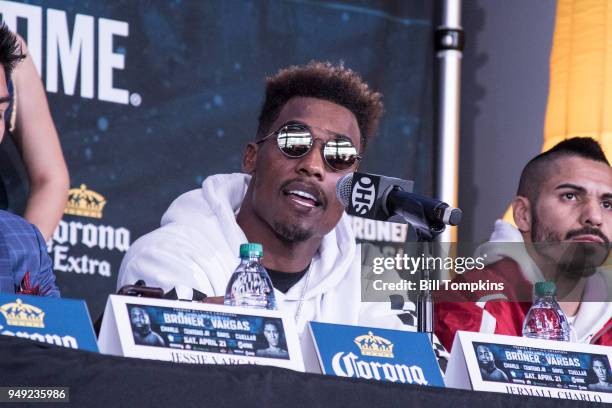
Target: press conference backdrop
150,97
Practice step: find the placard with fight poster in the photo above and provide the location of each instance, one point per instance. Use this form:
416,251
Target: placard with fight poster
524,366
198,333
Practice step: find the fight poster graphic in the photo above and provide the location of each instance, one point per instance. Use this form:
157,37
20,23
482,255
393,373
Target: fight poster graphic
541,367
532,367
198,333
208,331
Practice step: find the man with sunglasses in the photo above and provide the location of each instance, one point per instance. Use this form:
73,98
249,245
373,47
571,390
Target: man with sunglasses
313,128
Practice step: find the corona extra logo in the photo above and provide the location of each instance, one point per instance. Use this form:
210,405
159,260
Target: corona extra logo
21,314
84,202
69,234
375,346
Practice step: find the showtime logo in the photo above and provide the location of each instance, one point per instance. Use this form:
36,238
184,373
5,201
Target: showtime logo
73,53
363,195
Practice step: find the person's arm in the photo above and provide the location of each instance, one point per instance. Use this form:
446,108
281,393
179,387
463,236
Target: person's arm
167,258
45,277
37,140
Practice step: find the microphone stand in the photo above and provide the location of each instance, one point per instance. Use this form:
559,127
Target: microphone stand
426,233
425,304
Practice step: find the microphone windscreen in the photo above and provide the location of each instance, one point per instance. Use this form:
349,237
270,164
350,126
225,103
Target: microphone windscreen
343,189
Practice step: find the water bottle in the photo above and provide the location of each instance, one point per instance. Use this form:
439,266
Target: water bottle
250,284
545,320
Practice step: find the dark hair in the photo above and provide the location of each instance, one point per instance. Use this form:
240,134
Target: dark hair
10,50
592,378
273,323
334,83
282,343
535,171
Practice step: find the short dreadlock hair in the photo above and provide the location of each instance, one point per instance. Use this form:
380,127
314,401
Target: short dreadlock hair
322,80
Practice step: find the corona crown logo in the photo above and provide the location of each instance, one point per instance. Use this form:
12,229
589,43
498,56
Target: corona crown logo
21,314
375,346
84,202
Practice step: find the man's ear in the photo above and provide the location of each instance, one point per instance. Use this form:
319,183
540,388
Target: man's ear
521,210
250,158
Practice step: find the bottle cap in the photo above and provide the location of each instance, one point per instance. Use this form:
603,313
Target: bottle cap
251,249
545,289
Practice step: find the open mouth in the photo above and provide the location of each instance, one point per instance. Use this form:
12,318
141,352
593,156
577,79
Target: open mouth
304,194
303,198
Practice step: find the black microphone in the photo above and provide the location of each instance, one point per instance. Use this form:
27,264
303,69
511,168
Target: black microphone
381,197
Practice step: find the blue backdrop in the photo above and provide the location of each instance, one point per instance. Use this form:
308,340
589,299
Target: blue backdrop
186,84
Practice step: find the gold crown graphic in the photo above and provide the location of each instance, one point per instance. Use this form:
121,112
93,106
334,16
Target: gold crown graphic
84,202
21,314
376,346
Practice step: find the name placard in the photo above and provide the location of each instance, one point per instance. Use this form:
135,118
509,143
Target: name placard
523,366
198,333
375,354
61,322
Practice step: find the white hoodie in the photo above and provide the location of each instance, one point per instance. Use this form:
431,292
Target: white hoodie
197,248
592,314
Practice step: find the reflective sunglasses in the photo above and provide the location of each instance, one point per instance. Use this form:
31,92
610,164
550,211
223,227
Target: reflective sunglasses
295,140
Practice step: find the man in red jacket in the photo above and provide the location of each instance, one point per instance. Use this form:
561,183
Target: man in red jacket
563,214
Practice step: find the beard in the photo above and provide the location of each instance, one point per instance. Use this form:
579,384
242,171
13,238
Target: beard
142,329
291,233
573,260
487,363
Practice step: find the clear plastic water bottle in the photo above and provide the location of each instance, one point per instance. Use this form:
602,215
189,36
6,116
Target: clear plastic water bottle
250,284
545,320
